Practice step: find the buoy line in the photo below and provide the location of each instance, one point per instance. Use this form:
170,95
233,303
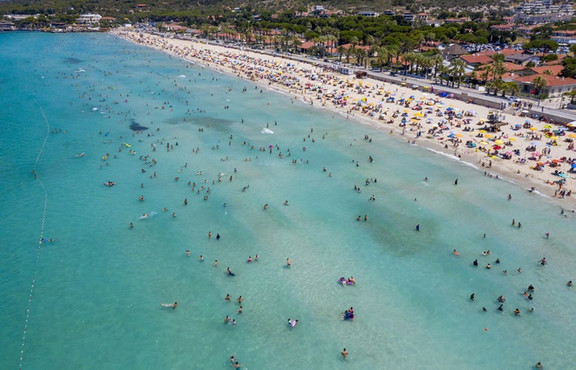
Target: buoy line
40,240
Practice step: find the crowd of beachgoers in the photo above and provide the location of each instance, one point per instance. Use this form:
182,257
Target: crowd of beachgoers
537,154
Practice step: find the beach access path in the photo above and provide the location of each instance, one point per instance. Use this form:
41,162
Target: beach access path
531,153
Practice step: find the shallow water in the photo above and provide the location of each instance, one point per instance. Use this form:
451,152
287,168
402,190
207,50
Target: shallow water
96,291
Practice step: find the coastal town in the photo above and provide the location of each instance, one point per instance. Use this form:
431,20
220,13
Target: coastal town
525,76
279,184
527,49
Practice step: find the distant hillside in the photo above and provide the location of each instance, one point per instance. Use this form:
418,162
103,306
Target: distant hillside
130,6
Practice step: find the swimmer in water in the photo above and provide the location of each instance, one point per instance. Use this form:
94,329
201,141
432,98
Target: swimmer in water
227,299
344,353
187,252
288,262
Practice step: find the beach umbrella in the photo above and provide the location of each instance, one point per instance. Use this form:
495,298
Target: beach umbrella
572,135
459,135
533,128
512,139
482,131
497,147
498,142
483,143
547,126
488,136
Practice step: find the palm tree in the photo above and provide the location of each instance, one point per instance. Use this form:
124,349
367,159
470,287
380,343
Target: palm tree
513,88
486,74
437,60
381,54
442,71
341,50
539,84
427,63
331,40
572,95
407,60
360,56
393,52
458,69
498,68
497,85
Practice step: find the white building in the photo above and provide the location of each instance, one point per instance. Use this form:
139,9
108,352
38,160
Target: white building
89,18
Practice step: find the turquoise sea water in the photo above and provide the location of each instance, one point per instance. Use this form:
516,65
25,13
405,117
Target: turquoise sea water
94,295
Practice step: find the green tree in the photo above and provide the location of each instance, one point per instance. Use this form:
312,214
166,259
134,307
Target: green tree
457,70
513,88
539,84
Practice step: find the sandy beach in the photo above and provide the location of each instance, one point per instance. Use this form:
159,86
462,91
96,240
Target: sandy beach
536,155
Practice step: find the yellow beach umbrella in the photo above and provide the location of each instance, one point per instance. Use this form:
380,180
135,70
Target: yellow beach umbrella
512,139
572,135
482,131
498,142
553,137
533,128
459,135
483,143
488,136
